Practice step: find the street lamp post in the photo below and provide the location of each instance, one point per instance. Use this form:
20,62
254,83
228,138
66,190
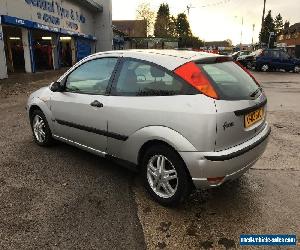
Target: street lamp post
241,31
253,28
262,20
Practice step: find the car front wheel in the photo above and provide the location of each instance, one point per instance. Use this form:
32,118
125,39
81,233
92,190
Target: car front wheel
249,65
165,175
297,69
40,128
265,68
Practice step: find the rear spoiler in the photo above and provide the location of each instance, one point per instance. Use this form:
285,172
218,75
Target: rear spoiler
250,109
213,59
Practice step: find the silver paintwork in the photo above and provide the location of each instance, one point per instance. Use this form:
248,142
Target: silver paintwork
192,125
236,134
162,176
201,168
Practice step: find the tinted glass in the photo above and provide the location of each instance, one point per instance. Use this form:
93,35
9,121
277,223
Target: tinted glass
267,53
230,80
284,55
276,53
142,79
91,77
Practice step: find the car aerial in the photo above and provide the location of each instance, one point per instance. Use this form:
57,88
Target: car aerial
184,119
271,59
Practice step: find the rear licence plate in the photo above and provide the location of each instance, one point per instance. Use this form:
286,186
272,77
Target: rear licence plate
254,117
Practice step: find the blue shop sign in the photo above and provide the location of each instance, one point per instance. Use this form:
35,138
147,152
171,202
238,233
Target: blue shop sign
34,25
68,32
17,21
46,27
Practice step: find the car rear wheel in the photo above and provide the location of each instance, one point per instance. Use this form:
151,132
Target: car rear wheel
165,176
40,128
265,68
297,69
249,65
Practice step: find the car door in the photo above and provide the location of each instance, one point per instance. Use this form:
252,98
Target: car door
144,95
80,111
286,61
275,59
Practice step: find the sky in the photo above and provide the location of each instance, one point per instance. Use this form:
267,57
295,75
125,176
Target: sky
218,19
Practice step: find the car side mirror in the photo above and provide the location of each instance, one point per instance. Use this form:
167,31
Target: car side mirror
56,87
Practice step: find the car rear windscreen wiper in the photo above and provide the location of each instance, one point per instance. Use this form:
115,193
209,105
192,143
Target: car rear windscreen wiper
255,92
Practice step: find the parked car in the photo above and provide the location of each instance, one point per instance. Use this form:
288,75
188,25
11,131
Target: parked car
248,60
184,119
271,59
237,54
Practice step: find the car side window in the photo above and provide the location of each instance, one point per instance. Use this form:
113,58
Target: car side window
276,54
91,77
267,53
138,78
284,55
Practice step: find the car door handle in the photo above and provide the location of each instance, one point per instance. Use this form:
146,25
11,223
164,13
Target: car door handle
97,104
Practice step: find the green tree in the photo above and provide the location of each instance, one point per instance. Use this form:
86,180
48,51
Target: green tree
183,26
268,26
185,35
161,26
193,42
172,29
144,12
278,22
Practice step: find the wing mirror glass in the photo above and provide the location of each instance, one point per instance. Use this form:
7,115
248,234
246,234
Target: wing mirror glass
56,87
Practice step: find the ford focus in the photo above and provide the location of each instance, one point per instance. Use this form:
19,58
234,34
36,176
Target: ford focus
184,119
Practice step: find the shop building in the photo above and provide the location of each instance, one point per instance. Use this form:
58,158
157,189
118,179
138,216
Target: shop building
289,38
37,35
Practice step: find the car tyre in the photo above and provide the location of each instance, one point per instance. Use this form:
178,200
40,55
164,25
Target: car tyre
265,67
40,129
249,65
165,175
297,69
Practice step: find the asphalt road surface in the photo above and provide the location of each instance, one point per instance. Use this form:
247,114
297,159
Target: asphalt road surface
62,198
59,197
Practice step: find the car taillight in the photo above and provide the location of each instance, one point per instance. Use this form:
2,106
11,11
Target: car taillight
191,73
248,72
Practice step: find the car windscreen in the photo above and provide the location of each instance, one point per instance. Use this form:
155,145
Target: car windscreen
231,81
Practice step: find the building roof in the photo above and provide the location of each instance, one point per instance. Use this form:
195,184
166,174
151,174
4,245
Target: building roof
134,28
295,27
117,31
292,29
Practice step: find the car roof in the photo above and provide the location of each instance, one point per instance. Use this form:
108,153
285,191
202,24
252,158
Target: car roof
170,59
276,49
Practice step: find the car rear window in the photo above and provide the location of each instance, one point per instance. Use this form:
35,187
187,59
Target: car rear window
230,80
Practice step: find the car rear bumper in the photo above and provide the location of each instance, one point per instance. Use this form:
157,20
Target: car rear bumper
229,164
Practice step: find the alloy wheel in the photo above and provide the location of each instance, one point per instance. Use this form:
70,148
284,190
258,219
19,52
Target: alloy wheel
39,129
265,68
162,176
249,65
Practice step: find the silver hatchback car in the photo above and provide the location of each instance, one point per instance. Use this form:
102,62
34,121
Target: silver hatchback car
185,119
